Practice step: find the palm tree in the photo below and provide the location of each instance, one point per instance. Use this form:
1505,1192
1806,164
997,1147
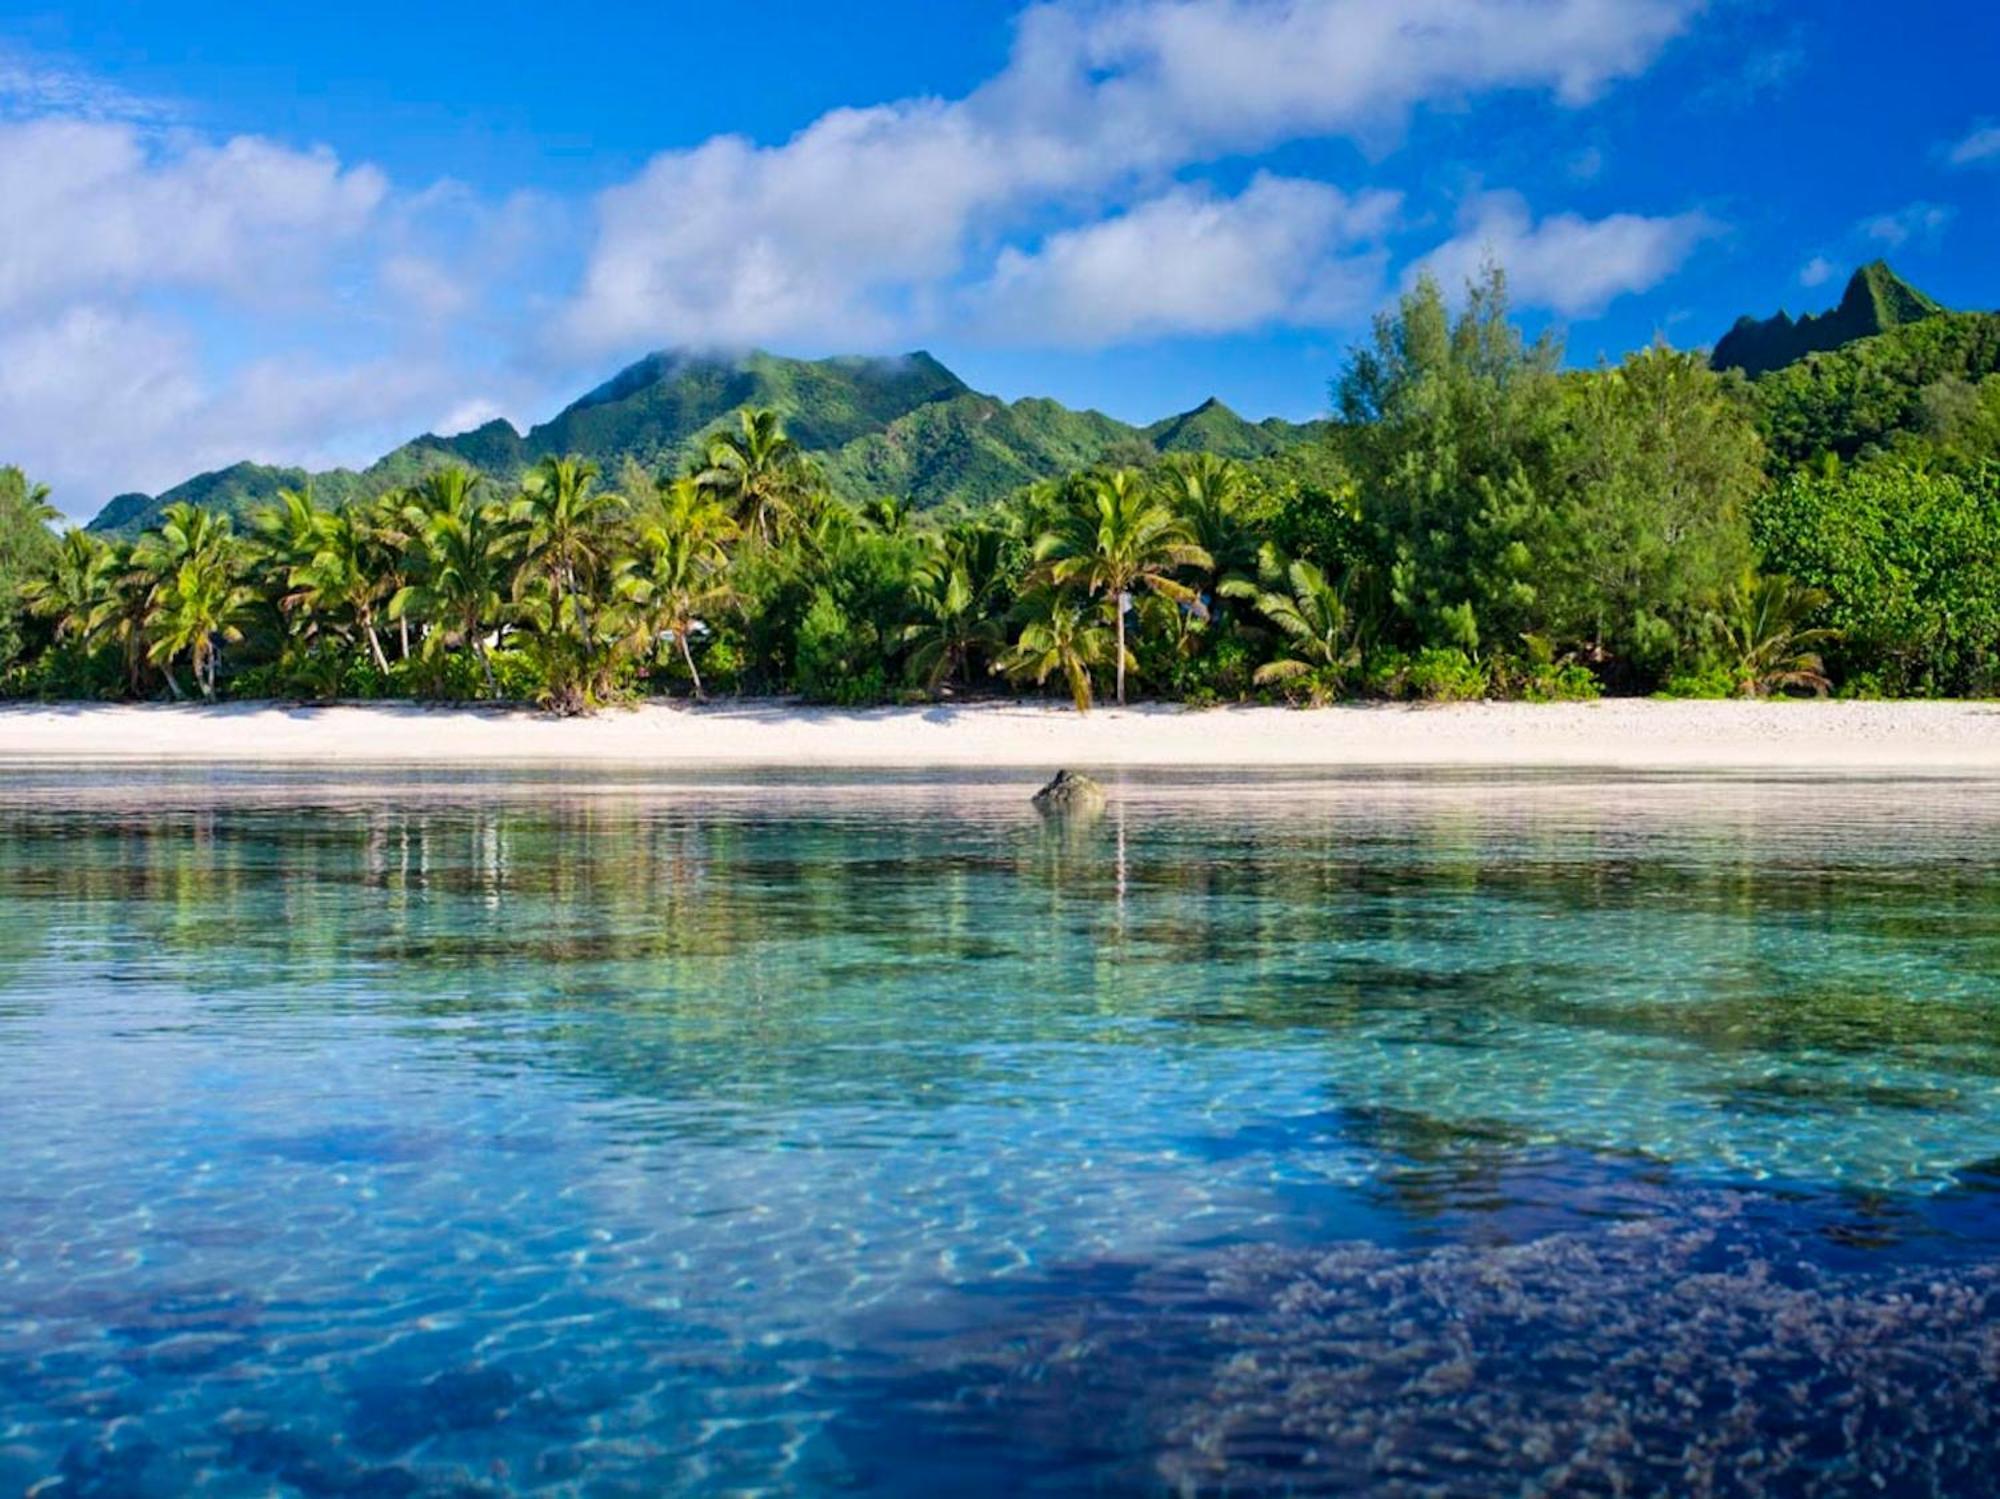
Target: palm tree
189,575
888,516
1209,492
678,576
1763,628
1059,636
1312,613
28,497
1118,536
70,589
563,516
951,593
342,575
759,473
392,537
201,605
464,547
121,602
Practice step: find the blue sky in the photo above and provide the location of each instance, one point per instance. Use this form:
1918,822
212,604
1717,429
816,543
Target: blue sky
302,234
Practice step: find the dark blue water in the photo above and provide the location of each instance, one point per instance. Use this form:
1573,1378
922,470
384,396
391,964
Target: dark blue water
541,1134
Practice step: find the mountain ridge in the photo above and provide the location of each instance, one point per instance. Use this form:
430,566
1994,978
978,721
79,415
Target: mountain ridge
894,424
1876,300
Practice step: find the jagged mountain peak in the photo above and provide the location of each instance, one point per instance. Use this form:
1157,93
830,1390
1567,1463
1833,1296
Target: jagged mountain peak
1876,300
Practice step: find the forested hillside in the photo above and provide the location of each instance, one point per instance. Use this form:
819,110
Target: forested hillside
902,426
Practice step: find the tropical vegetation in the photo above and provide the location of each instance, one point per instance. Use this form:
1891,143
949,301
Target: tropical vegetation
1474,520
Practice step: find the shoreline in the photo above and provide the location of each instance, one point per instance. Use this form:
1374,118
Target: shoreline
1635,734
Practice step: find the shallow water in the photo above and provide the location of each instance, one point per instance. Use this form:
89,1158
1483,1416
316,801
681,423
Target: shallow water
599,1134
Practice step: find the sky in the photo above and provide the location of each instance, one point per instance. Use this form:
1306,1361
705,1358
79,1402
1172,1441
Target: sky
304,234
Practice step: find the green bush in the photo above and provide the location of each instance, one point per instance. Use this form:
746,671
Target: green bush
1445,674
1559,682
836,662
1710,679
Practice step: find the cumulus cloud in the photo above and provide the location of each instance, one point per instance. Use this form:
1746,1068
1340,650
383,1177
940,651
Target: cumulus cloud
1981,146
844,232
1189,261
134,249
1056,195
1921,223
96,207
103,398
1572,265
1817,271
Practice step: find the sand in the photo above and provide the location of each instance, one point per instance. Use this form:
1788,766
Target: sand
1934,738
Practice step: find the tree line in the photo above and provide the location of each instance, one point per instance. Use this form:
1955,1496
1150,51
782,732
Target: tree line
1480,522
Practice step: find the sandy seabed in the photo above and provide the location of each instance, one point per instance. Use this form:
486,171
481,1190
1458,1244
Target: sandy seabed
1627,734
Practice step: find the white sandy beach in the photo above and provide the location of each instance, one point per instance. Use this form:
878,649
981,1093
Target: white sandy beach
1625,734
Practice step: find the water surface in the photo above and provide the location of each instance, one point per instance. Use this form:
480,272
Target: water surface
594,1134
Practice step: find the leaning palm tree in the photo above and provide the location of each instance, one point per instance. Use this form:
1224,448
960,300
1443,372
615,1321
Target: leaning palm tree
466,569
1763,627
1117,536
678,575
1312,614
1059,637
759,473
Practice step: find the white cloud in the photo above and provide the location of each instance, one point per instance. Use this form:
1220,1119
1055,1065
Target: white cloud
1982,145
135,254
1921,223
139,255
100,399
845,232
97,208
1817,271
1191,262
1573,265
468,416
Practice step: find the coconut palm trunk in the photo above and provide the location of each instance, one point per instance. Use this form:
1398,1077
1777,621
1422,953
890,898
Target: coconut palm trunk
1118,605
687,655
375,645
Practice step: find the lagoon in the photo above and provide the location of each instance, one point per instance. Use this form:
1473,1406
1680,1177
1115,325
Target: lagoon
598,1132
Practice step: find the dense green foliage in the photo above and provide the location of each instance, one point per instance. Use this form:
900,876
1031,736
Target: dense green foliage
27,551
1910,561
1473,521
1929,385
906,426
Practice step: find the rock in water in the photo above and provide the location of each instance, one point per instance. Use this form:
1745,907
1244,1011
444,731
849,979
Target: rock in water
1070,792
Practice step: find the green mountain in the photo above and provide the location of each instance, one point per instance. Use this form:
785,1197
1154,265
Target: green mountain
1213,428
904,426
1876,300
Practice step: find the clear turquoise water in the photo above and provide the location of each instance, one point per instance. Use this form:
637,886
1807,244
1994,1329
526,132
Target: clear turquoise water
514,1133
